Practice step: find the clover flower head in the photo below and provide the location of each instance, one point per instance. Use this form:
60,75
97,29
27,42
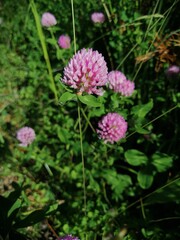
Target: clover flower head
118,83
127,88
86,72
26,136
64,41
115,79
48,19
68,237
112,128
172,71
98,17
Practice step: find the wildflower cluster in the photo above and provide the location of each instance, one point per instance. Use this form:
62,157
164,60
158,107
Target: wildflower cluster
87,73
49,20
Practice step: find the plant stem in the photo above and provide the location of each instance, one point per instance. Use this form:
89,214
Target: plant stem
73,22
145,125
82,156
44,48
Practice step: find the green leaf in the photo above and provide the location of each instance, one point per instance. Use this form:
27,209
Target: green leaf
15,206
141,110
36,216
89,100
51,41
59,54
141,130
1,138
67,96
63,135
135,157
145,178
157,15
33,218
118,182
167,193
94,184
162,161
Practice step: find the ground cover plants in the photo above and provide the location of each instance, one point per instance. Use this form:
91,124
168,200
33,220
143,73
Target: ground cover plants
89,104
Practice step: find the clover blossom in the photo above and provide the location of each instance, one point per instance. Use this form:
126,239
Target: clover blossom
26,136
115,79
127,88
98,17
68,237
87,72
173,70
118,83
112,128
48,19
64,41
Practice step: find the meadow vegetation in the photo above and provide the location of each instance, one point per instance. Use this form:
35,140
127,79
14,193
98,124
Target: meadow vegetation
89,120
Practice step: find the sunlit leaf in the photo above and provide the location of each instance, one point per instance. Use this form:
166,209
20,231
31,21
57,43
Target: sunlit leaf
142,110
90,100
67,96
135,157
162,161
145,178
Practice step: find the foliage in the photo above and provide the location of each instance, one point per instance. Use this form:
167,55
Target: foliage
68,181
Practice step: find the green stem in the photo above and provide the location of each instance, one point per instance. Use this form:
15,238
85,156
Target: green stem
150,194
87,119
44,48
73,22
56,45
82,156
145,125
142,208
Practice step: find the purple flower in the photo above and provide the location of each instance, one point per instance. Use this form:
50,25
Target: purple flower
64,41
86,72
112,127
26,136
68,237
127,88
115,79
172,71
97,17
118,83
48,20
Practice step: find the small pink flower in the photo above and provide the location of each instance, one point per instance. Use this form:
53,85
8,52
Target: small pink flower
48,20
64,41
68,237
87,72
118,83
115,79
112,127
127,88
97,17
26,136
172,71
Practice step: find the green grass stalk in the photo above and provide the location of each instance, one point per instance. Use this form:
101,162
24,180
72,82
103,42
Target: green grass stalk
73,22
44,48
80,125
155,119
